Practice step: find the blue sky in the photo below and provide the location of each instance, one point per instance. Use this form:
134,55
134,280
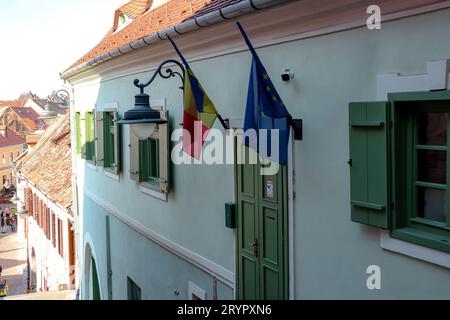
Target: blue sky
40,38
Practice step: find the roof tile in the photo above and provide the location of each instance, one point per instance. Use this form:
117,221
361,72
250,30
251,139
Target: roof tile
149,22
49,164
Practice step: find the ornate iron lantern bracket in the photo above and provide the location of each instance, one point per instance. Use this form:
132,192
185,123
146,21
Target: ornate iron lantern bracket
166,74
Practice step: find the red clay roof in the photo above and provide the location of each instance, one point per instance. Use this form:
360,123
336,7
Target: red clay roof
149,22
135,8
12,103
26,113
10,139
49,164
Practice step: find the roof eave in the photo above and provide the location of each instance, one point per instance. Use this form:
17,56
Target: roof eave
216,16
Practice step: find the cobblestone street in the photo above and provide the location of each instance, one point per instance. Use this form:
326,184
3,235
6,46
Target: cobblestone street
13,261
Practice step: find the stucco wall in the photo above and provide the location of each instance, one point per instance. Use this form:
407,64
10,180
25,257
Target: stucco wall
331,252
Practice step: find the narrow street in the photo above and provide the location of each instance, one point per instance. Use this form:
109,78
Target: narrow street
13,261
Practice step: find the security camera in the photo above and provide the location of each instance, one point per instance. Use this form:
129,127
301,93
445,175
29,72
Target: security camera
287,75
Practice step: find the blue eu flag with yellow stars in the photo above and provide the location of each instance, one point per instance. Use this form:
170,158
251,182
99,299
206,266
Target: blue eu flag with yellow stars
265,110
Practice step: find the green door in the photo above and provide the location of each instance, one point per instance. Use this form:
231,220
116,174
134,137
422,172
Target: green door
262,246
95,284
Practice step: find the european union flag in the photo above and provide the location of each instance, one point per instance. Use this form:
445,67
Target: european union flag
266,110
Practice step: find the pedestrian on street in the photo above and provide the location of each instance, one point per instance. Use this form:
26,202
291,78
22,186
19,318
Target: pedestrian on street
13,223
4,289
3,222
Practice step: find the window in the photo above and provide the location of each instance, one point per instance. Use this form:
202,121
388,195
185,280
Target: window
77,132
60,238
149,163
11,157
53,217
3,159
47,224
109,140
400,167
195,292
134,292
90,137
5,179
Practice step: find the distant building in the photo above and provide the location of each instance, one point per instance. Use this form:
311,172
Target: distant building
21,120
11,147
38,105
44,186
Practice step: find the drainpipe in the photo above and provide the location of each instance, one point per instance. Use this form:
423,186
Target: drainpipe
230,12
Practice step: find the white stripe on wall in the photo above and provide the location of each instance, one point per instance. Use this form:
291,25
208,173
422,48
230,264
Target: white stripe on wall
225,276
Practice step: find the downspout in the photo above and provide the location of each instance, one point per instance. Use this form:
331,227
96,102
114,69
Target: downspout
214,17
75,204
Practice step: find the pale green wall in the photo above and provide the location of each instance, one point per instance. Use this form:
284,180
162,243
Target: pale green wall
331,253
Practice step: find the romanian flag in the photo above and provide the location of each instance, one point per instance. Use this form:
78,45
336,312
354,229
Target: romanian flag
199,112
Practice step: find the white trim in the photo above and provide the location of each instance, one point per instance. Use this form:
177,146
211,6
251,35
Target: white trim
111,175
156,194
194,289
88,240
140,61
158,104
225,276
110,106
91,165
413,250
432,80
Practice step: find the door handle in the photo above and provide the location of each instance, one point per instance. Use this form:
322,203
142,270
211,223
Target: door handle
255,247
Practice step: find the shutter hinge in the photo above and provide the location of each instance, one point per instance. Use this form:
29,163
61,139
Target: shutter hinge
350,162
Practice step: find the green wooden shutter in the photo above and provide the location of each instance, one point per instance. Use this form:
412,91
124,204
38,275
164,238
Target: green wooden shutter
84,124
78,132
369,163
134,157
164,152
90,136
144,160
99,138
117,143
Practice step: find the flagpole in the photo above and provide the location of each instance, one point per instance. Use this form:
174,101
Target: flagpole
187,67
224,124
247,41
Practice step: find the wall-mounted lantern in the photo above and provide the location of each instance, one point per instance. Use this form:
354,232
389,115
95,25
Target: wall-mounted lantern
142,118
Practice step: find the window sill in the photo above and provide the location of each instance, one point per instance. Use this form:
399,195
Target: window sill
111,174
151,190
398,242
91,165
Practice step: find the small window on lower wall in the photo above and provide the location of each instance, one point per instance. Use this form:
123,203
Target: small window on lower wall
400,166
195,292
134,292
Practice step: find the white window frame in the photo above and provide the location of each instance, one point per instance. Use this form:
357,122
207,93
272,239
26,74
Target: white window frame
195,290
